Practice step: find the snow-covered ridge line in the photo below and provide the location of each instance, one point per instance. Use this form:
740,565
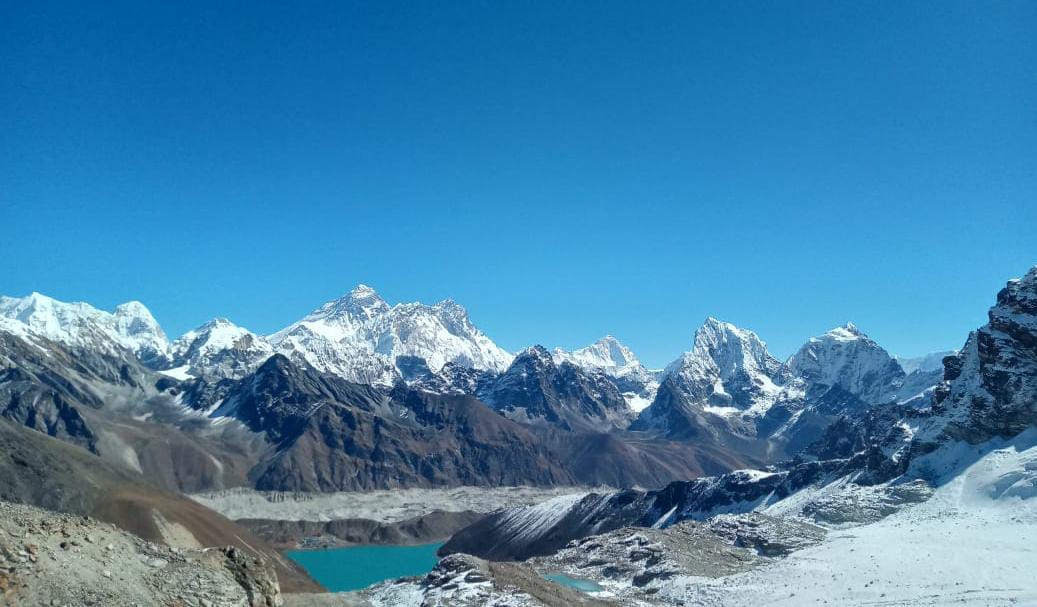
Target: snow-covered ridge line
80,325
363,338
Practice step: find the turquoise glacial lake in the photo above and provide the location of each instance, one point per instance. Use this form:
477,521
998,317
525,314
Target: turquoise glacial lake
578,584
356,567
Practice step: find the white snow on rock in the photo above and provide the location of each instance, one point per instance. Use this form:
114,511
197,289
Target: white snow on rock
181,373
971,543
730,372
360,337
606,354
611,357
532,521
728,369
847,358
219,349
80,325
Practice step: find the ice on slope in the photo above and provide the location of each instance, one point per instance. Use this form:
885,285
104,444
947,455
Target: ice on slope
181,373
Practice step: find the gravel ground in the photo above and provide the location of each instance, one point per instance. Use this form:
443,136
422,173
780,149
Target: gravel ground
49,558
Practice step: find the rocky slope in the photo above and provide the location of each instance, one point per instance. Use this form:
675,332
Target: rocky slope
41,471
334,435
466,581
49,558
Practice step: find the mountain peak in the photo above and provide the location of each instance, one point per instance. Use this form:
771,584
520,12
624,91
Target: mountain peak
359,337
714,334
536,351
607,353
847,332
134,308
846,357
362,290
362,303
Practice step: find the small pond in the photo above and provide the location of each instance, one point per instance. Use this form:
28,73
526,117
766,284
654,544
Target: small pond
578,584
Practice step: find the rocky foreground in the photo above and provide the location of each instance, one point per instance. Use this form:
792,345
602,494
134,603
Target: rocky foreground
49,558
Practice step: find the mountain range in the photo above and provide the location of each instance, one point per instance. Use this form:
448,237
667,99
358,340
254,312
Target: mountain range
360,394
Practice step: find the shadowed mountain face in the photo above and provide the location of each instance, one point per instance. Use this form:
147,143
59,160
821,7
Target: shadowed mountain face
335,435
286,426
538,390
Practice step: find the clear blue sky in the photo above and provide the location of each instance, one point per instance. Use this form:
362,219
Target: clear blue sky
563,169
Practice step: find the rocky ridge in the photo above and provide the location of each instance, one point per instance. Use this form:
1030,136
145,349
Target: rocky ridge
49,558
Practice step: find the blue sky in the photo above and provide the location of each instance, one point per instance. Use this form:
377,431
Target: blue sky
564,169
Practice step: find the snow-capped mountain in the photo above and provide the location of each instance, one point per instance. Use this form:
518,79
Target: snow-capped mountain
727,368
219,349
730,388
80,325
924,373
360,337
614,359
847,359
607,354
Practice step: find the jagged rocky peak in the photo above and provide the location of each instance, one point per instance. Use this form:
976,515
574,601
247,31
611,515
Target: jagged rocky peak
441,333
537,389
734,349
988,388
846,358
727,365
610,356
362,303
220,349
533,357
80,325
